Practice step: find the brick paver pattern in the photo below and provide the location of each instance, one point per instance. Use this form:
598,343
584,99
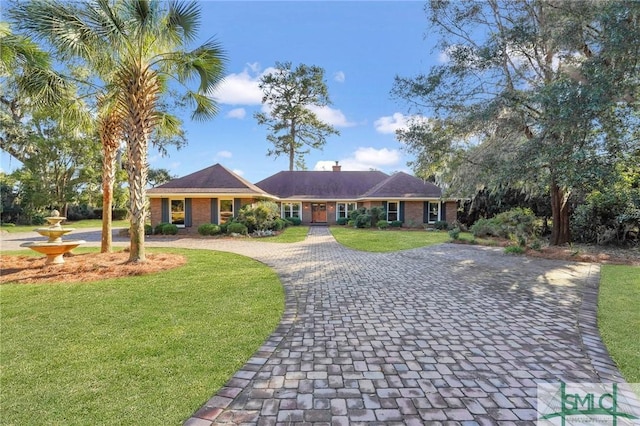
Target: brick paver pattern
447,334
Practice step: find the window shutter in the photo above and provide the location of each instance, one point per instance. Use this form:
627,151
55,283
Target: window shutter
187,212
443,211
425,212
164,216
214,210
401,211
237,205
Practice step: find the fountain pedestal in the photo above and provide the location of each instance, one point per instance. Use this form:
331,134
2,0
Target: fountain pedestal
54,248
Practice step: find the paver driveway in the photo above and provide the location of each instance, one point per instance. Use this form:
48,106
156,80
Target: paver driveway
437,334
447,334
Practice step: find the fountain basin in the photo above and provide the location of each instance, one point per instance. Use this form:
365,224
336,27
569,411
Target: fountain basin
54,234
53,250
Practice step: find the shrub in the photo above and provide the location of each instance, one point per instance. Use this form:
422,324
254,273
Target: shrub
377,213
342,221
280,224
363,221
119,214
208,229
514,249
454,233
382,224
295,221
518,224
396,224
606,218
148,229
79,212
441,225
237,228
169,229
158,229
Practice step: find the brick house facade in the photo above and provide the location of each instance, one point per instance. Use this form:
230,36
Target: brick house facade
214,194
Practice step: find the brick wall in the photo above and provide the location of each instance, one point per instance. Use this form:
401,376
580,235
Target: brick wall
156,211
452,211
413,213
200,212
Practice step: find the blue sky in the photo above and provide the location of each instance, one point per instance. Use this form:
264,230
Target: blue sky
361,46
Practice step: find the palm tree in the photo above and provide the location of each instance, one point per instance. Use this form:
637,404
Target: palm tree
144,43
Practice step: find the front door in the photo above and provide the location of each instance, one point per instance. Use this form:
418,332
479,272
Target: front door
318,212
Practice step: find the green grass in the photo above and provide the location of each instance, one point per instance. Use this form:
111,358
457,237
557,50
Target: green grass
384,241
619,317
292,234
146,350
86,223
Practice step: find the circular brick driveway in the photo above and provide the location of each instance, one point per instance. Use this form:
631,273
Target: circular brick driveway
425,336
441,333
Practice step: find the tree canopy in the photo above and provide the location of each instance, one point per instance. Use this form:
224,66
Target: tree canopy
289,94
539,95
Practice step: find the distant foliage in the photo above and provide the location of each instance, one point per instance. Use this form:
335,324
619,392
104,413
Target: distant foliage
607,218
441,225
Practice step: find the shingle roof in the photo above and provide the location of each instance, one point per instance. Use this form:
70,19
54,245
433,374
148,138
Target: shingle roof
214,179
321,185
403,185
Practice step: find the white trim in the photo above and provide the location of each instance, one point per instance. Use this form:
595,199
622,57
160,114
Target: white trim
429,211
220,200
290,205
346,208
397,211
184,211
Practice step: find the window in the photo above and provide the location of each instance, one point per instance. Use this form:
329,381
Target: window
434,211
290,210
177,212
226,210
392,210
343,209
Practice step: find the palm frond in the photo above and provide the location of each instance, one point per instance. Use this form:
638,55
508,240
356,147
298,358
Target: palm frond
205,107
186,16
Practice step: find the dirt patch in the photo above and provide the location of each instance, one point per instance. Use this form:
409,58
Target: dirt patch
83,267
590,254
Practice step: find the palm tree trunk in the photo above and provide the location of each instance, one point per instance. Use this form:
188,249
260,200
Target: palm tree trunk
139,102
109,136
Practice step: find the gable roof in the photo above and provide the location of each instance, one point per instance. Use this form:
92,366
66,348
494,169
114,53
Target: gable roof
403,185
300,185
215,179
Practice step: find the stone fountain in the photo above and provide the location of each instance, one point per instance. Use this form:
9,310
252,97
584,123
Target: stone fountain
54,248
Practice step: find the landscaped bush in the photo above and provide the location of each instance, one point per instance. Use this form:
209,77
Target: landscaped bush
79,212
295,221
260,216
518,224
363,221
382,224
514,250
208,229
454,233
342,221
396,224
237,228
169,229
148,229
280,224
441,225
158,229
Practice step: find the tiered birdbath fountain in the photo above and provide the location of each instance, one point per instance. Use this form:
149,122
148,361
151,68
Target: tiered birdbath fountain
54,248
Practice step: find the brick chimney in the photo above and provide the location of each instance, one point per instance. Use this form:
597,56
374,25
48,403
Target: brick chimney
336,167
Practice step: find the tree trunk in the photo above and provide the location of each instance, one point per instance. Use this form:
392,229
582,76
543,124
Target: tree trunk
108,180
560,232
109,136
142,88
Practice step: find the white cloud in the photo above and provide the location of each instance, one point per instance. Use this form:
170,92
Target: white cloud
238,172
339,76
238,113
390,124
224,154
365,158
331,116
240,89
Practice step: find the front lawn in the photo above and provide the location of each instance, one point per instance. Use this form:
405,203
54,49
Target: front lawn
619,317
388,240
144,350
291,234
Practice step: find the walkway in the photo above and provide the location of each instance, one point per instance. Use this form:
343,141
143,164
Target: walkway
442,333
